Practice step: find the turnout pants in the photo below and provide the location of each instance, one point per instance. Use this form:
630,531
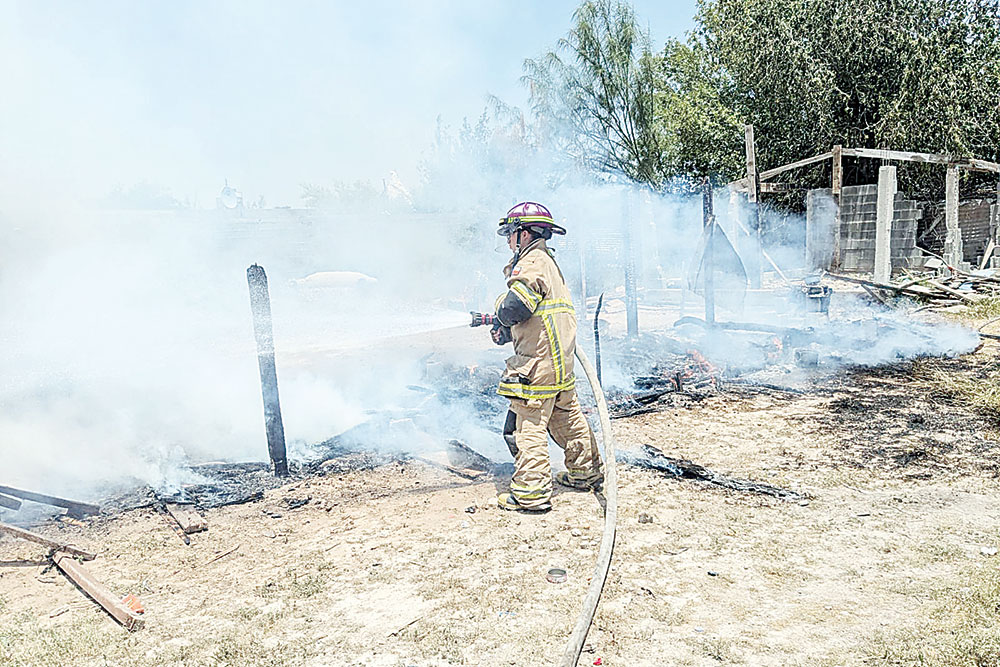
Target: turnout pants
529,423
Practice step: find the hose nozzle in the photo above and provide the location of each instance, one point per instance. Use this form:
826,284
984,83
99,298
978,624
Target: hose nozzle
481,319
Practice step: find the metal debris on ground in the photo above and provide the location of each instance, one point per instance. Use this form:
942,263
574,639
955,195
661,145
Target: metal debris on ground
556,575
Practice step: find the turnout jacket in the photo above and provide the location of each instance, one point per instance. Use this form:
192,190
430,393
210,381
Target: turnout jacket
539,310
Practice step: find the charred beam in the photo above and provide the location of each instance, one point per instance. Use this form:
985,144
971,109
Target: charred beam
74,507
653,459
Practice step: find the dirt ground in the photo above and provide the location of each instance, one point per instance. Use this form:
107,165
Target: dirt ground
890,561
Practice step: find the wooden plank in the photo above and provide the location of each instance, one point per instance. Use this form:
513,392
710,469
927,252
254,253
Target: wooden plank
75,507
751,163
968,298
9,503
773,188
990,247
915,290
926,158
79,575
795,165
838,169
187,518
41,539
741,185
983,165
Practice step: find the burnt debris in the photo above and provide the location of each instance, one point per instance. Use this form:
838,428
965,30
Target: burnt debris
651,458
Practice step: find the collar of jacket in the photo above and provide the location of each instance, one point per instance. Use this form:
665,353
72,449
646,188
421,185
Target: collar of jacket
536,244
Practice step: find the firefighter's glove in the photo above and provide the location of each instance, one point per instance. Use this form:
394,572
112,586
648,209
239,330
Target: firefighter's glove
500,334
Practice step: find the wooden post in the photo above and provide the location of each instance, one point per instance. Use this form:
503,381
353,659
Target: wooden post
631,299
953,236
260,304
838,169
883,223
995,227
753,196
708,263
837,184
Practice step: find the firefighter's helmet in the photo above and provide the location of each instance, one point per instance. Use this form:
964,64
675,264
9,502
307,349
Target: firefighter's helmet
531,216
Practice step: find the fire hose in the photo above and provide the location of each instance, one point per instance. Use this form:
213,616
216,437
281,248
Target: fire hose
574,646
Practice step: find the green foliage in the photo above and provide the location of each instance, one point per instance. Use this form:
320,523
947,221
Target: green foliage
597,106
910,75
918,75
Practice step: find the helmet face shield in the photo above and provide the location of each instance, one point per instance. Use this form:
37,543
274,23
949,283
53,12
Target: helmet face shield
508,226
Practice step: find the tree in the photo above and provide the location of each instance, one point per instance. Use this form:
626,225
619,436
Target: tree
910,74
596,107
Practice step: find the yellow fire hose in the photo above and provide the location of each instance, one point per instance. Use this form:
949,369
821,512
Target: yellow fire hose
575,644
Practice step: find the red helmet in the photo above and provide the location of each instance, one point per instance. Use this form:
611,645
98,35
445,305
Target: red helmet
528,215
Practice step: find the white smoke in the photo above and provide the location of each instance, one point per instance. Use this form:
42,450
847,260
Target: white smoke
126,343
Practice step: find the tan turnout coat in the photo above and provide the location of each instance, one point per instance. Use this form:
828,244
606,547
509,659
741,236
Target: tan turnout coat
544,344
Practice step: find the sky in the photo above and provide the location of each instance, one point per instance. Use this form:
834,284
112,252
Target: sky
187,94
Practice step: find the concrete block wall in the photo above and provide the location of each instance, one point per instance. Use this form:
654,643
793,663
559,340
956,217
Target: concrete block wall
857,230
976,220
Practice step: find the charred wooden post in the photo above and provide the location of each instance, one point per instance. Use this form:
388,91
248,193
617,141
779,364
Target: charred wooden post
597,336
708,263
260,304
631,299
753,197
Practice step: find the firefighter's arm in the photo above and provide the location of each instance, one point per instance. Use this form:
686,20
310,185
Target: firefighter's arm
526,289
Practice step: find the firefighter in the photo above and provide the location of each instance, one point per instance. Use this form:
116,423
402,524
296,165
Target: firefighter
536,314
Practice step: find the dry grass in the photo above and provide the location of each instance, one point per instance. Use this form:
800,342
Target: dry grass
979,392
962,628
985,309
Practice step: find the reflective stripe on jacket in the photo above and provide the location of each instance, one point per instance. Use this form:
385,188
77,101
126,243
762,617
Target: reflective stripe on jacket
544,344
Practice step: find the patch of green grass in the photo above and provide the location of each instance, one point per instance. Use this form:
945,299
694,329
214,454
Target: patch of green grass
962,630
981,393
307,586
985,309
